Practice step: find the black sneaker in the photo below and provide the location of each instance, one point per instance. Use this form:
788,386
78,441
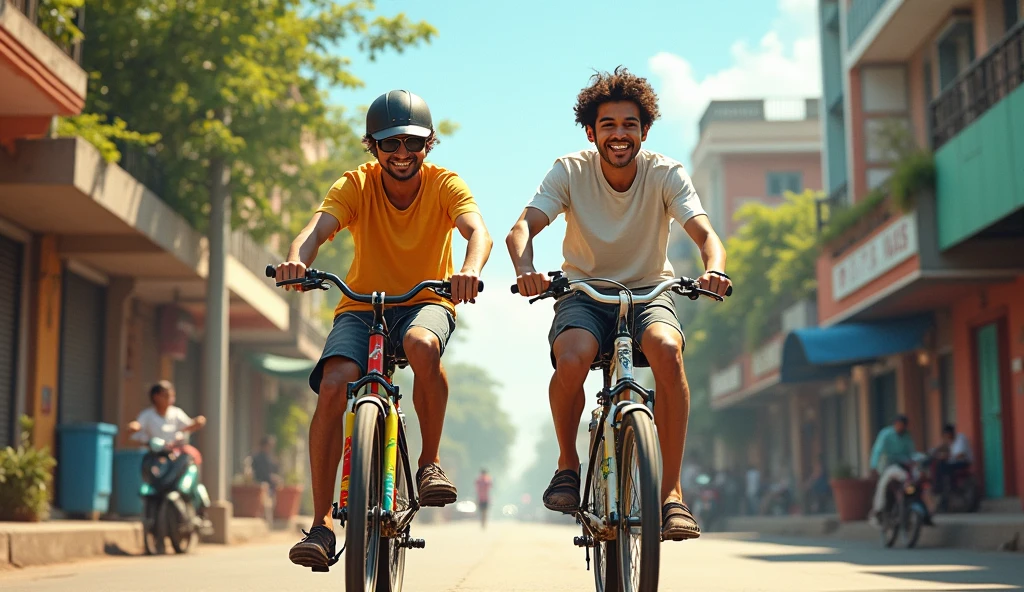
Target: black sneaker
436,490
315,550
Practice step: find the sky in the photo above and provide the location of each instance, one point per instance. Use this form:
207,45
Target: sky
509,73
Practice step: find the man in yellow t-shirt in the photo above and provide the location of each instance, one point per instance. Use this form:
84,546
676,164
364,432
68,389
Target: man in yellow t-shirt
400,212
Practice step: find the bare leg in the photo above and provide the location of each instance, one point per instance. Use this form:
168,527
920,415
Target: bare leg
326,437
663,347
430,389
574,351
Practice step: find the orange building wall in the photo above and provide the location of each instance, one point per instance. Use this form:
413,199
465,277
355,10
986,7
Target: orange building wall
746,176
989,304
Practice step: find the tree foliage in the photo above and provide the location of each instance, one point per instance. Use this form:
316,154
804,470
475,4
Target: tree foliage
771,260
245,81
478,433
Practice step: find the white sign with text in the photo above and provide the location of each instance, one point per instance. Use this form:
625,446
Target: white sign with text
884,251
727,380
767,358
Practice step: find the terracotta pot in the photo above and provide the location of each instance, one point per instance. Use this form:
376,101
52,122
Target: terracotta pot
249,500
853,498
288,499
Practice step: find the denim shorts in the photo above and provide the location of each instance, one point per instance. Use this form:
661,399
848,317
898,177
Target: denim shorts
350,336
579,311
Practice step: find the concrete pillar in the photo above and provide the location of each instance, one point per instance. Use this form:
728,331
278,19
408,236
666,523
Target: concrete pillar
216,336
119,297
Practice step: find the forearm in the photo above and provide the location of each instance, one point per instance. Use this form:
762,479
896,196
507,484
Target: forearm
305,247
520,248
478,250
712,252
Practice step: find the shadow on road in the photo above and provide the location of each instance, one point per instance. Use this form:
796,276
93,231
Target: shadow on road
937,566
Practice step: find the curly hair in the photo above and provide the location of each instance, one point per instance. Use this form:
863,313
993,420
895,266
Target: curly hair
621,85
371,145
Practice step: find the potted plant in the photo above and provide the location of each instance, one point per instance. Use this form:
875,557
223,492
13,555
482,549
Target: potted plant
289,496
249,498
852,495
25,477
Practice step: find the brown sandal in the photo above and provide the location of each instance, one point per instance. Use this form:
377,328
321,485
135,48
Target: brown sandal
563,493
677,523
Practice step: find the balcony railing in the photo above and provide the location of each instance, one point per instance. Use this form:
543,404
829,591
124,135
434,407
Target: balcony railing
760,110
975,91
30,8
858,16
829,206
251,254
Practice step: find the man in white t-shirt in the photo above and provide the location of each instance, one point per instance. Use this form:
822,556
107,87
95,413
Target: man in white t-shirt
164,420
953,455
619,202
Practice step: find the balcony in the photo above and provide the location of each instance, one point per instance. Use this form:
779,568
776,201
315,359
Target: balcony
893,30
39,78
825,208
978,136
858,16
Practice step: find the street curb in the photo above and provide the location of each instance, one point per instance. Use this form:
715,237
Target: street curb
42,544
5,550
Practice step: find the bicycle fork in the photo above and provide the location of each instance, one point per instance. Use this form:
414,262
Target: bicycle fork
391,420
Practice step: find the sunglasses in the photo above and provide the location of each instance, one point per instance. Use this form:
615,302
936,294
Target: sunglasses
412,144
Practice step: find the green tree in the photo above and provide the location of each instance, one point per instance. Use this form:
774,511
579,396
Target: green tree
236,89
478,433
771,259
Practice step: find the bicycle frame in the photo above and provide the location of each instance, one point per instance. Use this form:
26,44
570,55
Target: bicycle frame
615,402
367,390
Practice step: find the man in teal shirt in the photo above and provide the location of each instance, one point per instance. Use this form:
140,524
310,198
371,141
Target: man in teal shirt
896,445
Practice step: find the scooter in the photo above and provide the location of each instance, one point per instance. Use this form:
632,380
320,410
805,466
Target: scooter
905,511
707,507
174,500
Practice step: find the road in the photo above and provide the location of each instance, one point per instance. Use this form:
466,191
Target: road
520,557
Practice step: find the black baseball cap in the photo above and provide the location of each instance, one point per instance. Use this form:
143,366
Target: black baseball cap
398,112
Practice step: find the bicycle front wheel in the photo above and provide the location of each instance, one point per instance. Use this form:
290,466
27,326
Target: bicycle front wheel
606,556
362,527
639,536
391,561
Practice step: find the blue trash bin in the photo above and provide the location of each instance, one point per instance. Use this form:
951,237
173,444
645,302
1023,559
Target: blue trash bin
85,467
128,481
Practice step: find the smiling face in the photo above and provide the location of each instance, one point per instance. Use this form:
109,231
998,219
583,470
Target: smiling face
617,133
401,164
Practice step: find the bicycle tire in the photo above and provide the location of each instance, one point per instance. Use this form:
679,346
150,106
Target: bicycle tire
362,529
639,493
391,557
606,555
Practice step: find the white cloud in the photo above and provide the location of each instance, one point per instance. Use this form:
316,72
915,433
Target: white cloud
773,69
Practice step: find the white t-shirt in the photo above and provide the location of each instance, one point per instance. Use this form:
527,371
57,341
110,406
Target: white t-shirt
169,427
960,446
620,236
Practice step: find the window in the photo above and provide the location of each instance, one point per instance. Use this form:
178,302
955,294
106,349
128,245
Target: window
1010,14
956,51
779,183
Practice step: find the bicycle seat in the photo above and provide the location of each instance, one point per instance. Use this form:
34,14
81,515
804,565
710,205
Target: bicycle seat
604,360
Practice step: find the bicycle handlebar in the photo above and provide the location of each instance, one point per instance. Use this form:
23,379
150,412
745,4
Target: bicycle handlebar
560,285
315,279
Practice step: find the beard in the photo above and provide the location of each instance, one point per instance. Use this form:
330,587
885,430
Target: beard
403,175
617,161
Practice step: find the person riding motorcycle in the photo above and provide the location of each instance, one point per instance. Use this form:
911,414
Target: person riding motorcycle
897,447
166,421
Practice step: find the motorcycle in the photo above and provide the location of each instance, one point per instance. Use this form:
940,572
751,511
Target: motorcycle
174,501
961,493
905,511
707,508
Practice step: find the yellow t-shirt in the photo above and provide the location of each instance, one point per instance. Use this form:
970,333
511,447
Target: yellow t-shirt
397,249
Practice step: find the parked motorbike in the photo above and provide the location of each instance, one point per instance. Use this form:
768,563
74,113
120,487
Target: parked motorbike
174,501
905,511
963,494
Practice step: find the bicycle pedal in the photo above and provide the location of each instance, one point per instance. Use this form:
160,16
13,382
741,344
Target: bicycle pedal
414,544
583,541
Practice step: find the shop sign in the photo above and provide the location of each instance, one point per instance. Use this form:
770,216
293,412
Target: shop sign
894,245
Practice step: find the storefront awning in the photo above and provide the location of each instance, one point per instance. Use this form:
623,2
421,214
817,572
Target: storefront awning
282,367
817,353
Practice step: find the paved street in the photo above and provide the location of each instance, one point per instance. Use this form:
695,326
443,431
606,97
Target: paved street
511,556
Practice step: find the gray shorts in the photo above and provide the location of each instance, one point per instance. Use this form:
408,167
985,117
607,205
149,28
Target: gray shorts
350,336
579,311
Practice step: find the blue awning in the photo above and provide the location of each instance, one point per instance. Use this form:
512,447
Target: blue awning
817,353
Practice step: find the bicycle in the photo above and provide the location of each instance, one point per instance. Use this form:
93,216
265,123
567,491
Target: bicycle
377,501
622,434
